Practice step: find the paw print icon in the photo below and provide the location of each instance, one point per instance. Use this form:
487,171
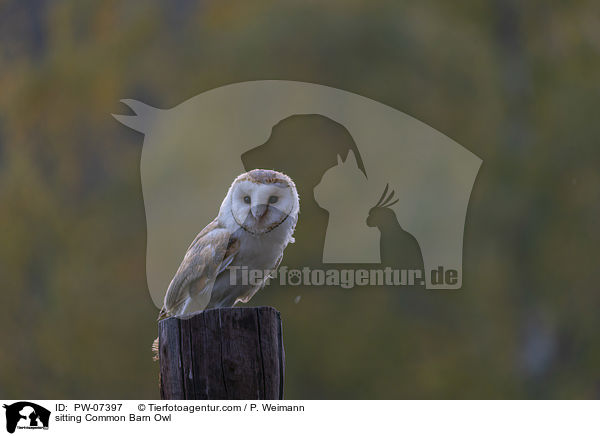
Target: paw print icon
294,277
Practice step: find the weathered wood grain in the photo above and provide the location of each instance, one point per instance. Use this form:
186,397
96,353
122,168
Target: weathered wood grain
171,375
233,353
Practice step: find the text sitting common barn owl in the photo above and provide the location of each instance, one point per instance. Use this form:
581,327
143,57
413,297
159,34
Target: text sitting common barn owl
256,222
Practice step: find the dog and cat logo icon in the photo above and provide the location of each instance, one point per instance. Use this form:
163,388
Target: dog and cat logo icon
26,415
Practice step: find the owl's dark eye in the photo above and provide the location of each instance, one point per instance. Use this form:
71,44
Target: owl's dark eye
247,199
273,199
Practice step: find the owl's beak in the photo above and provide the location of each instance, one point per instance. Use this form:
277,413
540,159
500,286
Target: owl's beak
259,211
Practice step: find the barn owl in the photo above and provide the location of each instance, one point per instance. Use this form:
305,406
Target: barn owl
256,222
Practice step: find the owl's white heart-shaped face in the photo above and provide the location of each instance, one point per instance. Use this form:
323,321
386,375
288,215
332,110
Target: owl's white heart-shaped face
260,207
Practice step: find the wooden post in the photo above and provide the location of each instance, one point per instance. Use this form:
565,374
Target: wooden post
219,354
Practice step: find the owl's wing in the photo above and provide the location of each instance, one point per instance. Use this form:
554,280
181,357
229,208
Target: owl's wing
211,252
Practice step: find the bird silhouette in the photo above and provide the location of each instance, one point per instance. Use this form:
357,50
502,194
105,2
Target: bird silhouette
398,248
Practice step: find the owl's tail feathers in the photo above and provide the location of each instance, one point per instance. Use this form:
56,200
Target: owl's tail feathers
164,313
155,350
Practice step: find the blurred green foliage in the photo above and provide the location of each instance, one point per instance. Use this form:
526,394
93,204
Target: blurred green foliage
517,83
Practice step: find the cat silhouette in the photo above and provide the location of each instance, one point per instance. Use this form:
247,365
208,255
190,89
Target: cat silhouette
347,195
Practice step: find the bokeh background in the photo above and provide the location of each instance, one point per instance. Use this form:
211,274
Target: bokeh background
517,83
